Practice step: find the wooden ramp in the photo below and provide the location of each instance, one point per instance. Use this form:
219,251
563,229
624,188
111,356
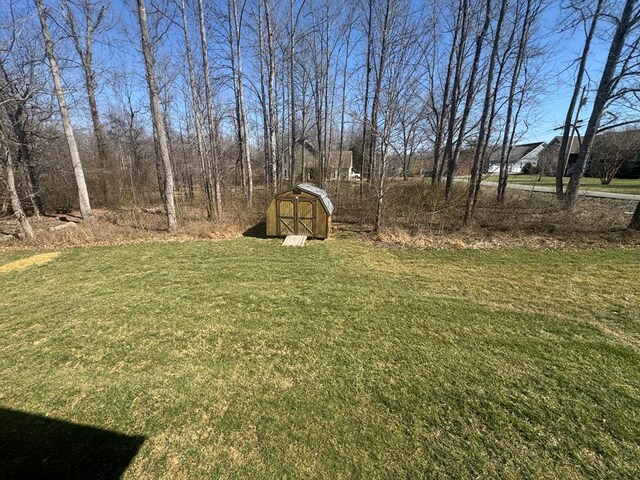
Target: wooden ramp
294,241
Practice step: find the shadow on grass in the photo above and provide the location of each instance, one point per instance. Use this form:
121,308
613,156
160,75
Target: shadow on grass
259,230
37,447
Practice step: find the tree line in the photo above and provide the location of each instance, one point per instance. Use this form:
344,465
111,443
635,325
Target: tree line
137,100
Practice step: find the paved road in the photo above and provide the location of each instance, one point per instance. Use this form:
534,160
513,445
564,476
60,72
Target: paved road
586,193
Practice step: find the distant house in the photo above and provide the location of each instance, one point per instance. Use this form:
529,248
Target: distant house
521,157
615,153
554,145
543,157
416,164
606,146
339,166
549,156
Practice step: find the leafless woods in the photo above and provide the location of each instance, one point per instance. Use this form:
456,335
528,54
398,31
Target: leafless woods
139,101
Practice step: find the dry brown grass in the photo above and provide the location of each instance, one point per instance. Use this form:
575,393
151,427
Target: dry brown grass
131,225
479,238
31,261
415,214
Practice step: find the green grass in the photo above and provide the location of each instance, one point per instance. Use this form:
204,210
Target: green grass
617,185
243,359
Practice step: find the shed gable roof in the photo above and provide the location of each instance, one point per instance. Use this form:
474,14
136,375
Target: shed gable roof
318,192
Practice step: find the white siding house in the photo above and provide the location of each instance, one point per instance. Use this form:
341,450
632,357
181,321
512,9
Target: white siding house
520,157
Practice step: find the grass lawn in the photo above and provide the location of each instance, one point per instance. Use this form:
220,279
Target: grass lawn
243,359
617,185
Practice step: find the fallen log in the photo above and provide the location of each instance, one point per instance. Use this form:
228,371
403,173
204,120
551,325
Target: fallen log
62,226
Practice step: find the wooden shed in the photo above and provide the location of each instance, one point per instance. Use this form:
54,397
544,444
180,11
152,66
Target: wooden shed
302,210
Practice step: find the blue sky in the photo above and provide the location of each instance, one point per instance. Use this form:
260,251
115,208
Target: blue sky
564,48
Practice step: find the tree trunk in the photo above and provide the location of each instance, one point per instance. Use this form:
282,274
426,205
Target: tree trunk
635,220
506,140
244,155
195,107
326,139
317,97
365,119
469,101
273,117
211,121
381,185
568,127
448,159
444,108
157,120
478,160
264,106
405,166
83,193
16,117
377,87
86,60
605,90
342,113
13,192
292,95
303,167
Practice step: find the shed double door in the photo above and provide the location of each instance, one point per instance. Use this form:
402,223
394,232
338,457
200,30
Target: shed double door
296,216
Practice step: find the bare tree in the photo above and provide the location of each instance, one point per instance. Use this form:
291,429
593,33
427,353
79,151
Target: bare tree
569,124
18,212
399,71
365,170
462,27
264,107
613,73
15,93
343,107
441,110
83,193
211,121
611,150
157,119
234,20
292,91
469,99
90,25
380,67
321,49
272,115
478,160
509,126
207,183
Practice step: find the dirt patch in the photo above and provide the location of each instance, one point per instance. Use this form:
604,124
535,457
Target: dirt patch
31,261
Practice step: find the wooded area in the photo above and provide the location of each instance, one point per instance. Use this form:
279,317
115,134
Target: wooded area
218,105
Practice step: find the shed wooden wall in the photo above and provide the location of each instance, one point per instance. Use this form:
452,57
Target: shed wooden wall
323,220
